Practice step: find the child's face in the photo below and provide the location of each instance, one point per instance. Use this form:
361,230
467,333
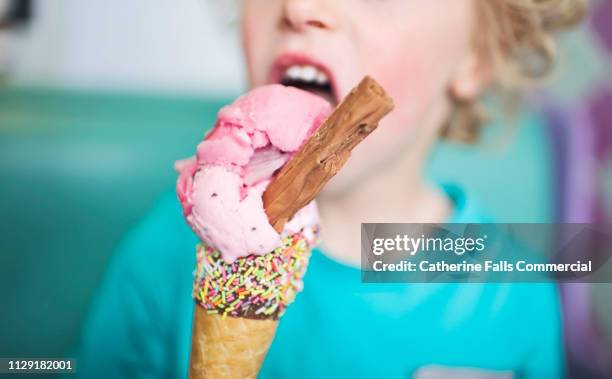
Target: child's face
417,49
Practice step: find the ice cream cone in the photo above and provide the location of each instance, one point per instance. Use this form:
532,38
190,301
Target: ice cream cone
239,299
228,347
238,305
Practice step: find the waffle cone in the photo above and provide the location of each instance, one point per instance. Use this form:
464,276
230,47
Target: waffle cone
228,347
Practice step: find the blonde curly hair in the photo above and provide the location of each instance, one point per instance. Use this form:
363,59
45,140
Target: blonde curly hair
514,37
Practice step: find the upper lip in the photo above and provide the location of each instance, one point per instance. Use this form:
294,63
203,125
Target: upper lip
285,60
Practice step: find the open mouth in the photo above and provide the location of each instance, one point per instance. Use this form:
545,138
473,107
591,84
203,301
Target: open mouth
308,77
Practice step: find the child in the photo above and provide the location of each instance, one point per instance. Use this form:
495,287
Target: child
435,58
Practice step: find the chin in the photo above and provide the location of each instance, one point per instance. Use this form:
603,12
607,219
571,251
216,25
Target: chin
344,181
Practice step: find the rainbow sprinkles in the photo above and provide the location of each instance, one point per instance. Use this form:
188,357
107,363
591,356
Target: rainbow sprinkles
256,286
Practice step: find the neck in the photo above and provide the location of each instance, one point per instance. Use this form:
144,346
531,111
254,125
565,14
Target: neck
394,192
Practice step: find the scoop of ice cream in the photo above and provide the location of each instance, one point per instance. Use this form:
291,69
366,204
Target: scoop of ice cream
221,188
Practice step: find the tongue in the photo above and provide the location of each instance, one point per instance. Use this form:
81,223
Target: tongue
263,164
324,93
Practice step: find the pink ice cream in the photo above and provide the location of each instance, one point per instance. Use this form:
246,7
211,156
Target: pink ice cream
221,188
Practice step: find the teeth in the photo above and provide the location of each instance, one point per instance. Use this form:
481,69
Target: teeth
321,78
307,73
294,72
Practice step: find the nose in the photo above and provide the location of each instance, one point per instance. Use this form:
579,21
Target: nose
301,15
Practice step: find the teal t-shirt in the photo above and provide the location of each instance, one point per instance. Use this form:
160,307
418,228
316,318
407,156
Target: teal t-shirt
338,327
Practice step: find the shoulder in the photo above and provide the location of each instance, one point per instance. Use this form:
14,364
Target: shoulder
144,300
160,236
155,259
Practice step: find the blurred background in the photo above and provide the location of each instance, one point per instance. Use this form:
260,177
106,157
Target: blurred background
99,98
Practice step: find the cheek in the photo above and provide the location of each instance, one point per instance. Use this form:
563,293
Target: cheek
416,62
257,43
417,82
410,83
